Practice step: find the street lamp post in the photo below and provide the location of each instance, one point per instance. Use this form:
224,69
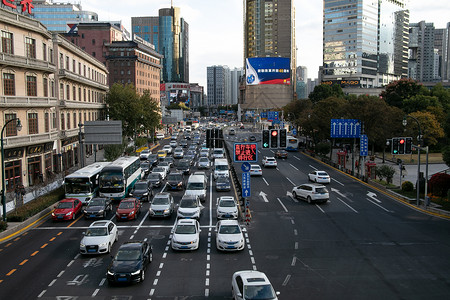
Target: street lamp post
18,127
419,139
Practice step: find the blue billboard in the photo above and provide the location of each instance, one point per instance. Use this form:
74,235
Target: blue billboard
268,70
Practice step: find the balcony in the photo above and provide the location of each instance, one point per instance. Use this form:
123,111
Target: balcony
21,101
81,79
24,140
27,63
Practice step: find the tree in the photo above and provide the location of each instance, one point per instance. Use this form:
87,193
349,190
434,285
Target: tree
398,91
385,171
419,103
446,155
297,110
430,128
324,91
443,95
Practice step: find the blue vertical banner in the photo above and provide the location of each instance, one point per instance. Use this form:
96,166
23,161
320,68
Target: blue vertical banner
363,145
246,184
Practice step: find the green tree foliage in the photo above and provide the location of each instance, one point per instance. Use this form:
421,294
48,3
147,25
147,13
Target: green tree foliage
112,152
296,111
429,127
419,103
446,155
398,91
324,91
385,171
443,95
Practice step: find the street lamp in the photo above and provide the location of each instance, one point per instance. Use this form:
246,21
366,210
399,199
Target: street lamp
18,127
419,139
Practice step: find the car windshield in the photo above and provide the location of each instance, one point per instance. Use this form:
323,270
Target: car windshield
218,152
321,190
160,200
145,152
65,205
153,176
145,165
195,186
203,159
126,204
96,202
128,254
259,292
227,203
141,186
229,229
188,203
183,163
96,232
322,174
158,169
164,164
222,167
176,177
185,229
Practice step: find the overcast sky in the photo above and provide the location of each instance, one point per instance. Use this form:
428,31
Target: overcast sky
216,27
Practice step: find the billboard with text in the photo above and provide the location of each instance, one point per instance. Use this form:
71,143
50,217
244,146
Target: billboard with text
267,70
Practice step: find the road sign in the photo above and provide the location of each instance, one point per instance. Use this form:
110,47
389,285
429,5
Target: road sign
363,145
245,152
246,184
345,128
245,167
103,132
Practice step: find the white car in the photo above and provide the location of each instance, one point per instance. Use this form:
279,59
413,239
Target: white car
99,238
173,143
165,165
145,154
269,161
319,177
186,235
227,208
178,153
189,207
229,236
252,285
311,192
162,171
160,136
168,149
255,170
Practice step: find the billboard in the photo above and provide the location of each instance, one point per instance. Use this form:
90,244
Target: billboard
268,70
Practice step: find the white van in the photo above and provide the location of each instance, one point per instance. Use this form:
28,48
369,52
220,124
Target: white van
218,153
187,128
221,168
197,185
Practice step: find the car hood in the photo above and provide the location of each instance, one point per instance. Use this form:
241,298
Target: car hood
188,210
184,237
94,208
94,240
140,192
124,210
160,207
124,266
227,209
62,210
230,237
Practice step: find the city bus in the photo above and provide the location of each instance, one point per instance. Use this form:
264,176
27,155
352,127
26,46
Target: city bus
291,144
83,183
117,179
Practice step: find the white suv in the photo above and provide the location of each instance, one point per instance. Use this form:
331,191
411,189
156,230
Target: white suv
311,192
186,235
269,161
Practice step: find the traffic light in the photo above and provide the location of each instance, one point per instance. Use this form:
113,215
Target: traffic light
265,139
274,138
401,145
283,137
408,147
395,144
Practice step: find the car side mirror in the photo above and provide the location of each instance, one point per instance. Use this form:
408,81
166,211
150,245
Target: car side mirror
83,233
239,294
278,293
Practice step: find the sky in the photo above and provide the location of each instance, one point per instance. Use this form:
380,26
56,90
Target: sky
216,27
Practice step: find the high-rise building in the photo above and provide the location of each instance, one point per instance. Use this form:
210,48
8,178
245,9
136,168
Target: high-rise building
218,85
61,16
442,44
170,35
269,53
235,81
365,41
421,63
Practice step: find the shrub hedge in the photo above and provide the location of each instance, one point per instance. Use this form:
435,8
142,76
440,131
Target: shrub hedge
407,186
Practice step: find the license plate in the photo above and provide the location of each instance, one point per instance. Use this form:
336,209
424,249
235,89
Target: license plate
91,250
122,279
124,217
184,247
231,247
60,217
92,216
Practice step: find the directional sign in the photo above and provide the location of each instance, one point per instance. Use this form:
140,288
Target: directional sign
245,152
363,145
245,167
345,128
246,184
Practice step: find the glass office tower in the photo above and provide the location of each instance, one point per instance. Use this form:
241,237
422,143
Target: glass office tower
365,40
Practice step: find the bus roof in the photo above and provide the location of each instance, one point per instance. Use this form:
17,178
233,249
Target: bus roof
89,170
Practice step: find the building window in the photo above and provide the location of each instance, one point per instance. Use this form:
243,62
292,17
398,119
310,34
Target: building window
7,42
73,65
61,91
11,129
13,175
84,95
50,54
93,41
54,120
79,93
47,122
68,92
9,84
45,87
79,118
33,123
52,88
44,51
61,61
93,54
63,125
67,63
75,120
79,68
74,92
30,45
31,86
68,121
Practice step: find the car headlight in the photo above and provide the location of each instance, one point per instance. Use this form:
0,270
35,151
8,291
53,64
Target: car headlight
166,210
103,244
82,245
53,214
84,211
194,241
69,213
136,273
101,211
145,194
131,213
110,273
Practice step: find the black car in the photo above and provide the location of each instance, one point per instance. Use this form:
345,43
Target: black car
97,208
184,166
184,143
153,159
252,138
146,166
130,262
223,184
155,179
175,181
142,190
170,160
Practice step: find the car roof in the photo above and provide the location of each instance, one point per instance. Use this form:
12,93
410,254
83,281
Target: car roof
186,221
253,277
270,157
226,198
132,245
102,223
229,222
255,165
313,185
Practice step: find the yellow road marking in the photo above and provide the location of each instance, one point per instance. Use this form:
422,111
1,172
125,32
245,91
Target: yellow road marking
10,272
25,228
22,263
59,233
15,240
75,221
52,239
43,246
34,253
7,245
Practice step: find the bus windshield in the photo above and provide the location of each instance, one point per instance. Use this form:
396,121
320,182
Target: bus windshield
111,181
77,185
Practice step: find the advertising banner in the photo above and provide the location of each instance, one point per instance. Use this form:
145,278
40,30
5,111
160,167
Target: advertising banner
268,70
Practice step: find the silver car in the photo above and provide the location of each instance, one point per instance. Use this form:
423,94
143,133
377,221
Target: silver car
99,238
162,205
203,163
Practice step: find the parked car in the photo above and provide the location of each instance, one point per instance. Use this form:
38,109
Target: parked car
229,236
252,285
99,238
281,154
145,154
223,184
175,181
186,235
227,208
142,190
128,209
255,170
162,205
97,208
130,262
269,161
189,207
155,179
67,209
319,177
311,192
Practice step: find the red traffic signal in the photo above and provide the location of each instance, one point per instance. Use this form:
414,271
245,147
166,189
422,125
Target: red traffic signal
401,141
274,132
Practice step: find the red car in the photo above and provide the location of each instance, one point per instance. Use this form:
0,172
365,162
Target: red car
67,209
128,209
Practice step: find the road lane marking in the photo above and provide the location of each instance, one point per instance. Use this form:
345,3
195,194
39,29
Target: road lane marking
10,272
7,245
295,232
296,246
290,181
43,246
294,167
284,207
313,167
52,283
60,273
42,293
34,253
95,292
70,225
387,210
347,205
52,239
23,262
337,181
285,282
265,181
320,208
297,158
